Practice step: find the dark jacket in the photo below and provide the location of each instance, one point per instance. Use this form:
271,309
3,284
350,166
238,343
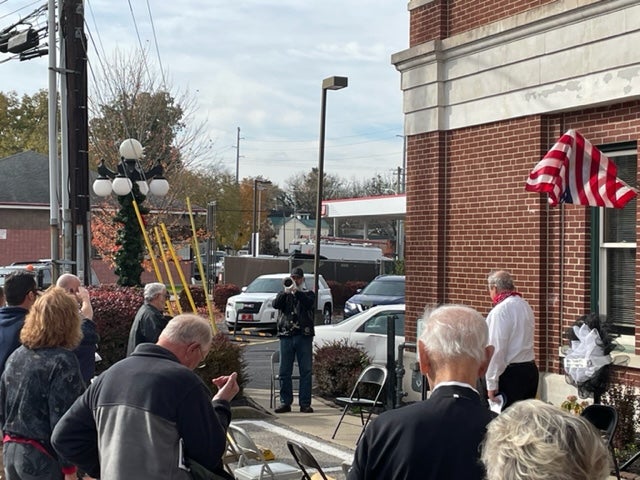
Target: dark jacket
86,351
433,440
136,412
147,326
37,387
11,322
296,313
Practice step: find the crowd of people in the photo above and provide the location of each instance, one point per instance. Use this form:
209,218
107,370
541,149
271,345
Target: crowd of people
149,415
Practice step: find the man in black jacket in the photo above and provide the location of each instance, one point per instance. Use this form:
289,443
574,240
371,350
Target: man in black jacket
439,437
295,330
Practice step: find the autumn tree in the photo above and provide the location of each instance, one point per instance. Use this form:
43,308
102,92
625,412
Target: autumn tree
23,123
303,190
130,101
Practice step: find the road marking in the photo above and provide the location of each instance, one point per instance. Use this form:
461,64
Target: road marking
323,447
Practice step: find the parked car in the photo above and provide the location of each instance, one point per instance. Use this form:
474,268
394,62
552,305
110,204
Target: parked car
382,290
41,269
254,306
367,330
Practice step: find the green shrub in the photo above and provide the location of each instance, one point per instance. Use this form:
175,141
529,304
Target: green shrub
221,294
224,358
114,309
336,367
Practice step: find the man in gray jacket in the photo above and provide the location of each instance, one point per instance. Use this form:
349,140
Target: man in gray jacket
138,418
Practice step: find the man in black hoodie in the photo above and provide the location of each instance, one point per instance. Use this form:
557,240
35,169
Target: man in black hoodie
21,291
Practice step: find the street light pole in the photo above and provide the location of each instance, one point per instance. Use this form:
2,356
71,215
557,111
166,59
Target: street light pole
254,237
330,83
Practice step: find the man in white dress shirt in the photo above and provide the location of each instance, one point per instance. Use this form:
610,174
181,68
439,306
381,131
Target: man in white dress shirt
512,371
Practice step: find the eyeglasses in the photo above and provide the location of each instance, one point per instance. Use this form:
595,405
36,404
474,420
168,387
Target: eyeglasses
202,363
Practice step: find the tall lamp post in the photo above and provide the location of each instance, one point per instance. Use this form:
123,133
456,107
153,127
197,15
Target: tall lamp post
129,183
258,184
331,83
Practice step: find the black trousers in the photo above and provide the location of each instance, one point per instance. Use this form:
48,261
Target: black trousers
519,381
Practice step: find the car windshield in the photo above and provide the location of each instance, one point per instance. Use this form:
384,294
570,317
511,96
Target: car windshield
392,289
265,285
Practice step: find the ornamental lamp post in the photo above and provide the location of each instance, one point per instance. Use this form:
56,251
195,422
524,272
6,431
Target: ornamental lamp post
129,183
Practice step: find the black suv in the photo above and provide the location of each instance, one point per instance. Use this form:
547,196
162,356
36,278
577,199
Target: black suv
382,290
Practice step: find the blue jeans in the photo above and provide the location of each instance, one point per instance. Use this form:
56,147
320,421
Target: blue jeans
300,348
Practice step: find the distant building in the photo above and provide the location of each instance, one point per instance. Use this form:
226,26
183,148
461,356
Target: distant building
295,228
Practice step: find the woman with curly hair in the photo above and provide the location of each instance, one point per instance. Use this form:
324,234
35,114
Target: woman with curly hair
41,380
533,440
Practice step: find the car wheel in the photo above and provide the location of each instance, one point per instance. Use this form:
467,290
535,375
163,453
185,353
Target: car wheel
326,314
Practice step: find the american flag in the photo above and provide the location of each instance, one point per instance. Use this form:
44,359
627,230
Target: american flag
574,171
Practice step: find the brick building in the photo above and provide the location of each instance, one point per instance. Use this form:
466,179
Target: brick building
489,86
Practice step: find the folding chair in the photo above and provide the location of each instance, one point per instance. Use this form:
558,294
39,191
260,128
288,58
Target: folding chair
374,378
305,459
275,376
253,466
605,419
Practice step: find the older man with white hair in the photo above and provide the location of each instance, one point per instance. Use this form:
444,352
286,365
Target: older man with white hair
437,438
149,321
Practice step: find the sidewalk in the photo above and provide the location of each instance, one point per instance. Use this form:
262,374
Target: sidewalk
320,423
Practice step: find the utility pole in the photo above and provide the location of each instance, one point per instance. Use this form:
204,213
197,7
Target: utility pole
77,117
238,157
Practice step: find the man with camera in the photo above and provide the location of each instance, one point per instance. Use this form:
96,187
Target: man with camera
295,330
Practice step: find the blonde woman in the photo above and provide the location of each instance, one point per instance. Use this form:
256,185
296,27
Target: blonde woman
533,440
40,382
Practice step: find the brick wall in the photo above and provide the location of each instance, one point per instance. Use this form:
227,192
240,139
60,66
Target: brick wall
468,213
441,18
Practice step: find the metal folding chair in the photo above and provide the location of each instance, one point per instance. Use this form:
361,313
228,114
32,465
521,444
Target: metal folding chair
605,419
365,395
305,459
275,376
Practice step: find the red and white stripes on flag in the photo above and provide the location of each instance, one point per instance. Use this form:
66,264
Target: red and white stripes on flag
574,171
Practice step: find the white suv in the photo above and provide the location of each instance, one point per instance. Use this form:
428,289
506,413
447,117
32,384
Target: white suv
254,306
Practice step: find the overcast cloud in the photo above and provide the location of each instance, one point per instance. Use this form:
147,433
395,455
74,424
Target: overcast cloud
259,65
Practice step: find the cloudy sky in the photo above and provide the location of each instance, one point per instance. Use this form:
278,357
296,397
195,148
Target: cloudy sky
259,65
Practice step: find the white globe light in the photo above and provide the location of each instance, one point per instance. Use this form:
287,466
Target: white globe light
102,187
159,186
131,148
143,186
121,186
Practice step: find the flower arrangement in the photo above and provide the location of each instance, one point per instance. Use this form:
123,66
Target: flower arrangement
572,405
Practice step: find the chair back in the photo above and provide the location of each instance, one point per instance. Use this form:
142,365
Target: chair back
245,445
275,360
304,459
375,375
604,418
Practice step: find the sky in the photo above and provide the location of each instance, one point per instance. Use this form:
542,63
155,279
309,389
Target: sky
259,65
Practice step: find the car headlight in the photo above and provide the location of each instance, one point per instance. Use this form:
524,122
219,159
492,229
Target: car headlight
229,304
350,306
269,303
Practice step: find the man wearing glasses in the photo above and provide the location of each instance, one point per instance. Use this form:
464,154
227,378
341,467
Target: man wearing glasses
146,413
149,320
21,291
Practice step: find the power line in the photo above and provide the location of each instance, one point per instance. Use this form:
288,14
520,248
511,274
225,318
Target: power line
155,40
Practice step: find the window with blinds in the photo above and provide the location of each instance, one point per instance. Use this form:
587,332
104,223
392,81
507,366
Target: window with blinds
617,260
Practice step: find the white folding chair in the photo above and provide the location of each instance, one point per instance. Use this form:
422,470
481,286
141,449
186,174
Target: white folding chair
253,466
